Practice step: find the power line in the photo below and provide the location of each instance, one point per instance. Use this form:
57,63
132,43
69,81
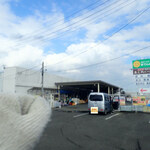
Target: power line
90,47
102,62
76,28
32,73
74,23
72,15
12,74
80,19
120,28
107,38
81,24
83,67
132,20
29,69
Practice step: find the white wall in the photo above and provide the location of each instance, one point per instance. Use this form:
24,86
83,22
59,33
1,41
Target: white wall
9,79
1,82
20,80
22,89
50,80
31,78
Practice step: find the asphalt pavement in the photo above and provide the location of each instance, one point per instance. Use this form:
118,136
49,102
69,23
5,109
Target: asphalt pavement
79,130
75,108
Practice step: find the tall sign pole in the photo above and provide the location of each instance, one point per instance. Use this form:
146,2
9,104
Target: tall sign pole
42,88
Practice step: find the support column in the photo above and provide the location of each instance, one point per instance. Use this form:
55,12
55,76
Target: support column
112,90
58,90
108,90
98,87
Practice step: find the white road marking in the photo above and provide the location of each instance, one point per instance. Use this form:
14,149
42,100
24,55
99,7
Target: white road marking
80,115
112,116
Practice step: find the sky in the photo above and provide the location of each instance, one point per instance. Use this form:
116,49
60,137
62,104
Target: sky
82,39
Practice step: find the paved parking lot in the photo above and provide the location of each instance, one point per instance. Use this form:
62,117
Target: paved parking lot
117,131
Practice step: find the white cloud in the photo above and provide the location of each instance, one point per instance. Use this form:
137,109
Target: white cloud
96,53
95,30
137,33
18,36
23,57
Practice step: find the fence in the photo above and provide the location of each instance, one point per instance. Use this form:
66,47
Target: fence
136,103
131,108
135,108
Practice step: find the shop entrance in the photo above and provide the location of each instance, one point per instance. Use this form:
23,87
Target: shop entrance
81,90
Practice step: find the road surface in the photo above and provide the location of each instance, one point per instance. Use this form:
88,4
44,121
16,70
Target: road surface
117,131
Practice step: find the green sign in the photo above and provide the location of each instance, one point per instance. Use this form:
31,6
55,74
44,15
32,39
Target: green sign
143,63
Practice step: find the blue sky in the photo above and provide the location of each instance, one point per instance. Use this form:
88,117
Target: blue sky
33,31
25,8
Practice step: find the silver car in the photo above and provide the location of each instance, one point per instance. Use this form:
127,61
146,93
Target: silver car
99,102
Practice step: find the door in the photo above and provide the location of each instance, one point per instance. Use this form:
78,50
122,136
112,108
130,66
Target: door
107,101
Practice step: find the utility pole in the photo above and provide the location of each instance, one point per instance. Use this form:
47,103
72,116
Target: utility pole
42,73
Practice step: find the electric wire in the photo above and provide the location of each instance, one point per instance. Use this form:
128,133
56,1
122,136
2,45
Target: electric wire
117,31
86,23
67,17
74,23
102,62
60,25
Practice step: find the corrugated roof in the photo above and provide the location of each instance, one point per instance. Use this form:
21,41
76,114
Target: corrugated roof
87,83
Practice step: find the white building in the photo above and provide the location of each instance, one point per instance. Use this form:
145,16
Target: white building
28,81
21,80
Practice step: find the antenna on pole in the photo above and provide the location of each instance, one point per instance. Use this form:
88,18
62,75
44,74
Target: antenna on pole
42,89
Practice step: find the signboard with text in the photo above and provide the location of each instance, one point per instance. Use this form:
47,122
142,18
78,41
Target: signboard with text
143,63
141,71
143,79
144,90
141,66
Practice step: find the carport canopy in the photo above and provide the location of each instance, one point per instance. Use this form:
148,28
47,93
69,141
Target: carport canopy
88,86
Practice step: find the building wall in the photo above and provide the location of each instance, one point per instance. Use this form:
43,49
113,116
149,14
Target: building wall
1,82
20,80
22,89
27,78
9,79
32,78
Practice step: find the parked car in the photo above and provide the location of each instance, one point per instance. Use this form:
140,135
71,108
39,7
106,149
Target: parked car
99,102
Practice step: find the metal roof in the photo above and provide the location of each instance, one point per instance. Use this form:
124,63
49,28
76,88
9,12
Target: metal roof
86,83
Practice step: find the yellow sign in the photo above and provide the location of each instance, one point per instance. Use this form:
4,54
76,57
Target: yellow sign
139,100
136,64
94,110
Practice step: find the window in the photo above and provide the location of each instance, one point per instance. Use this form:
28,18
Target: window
96,98
107,98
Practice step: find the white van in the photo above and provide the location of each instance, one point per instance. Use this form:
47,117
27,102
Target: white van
99,102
